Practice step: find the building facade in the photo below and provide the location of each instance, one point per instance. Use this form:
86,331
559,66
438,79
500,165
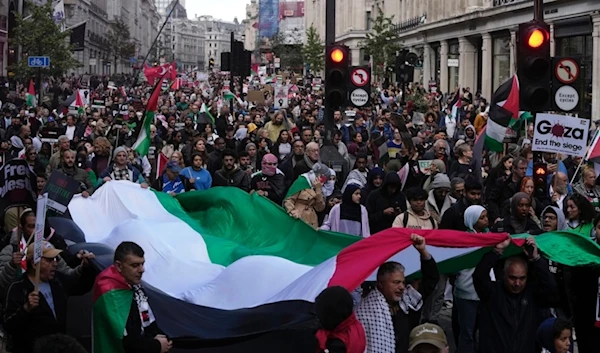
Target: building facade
187,39
251,26
218,37
472,43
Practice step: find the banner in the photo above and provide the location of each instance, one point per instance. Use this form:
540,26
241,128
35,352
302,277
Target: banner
18,184
58,13
268,20
560,134
78,36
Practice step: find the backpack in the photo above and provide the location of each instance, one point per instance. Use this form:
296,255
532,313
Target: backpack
405,220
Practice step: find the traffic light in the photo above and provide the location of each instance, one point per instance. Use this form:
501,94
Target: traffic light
401,66
211,63
337,67
534,67
540,180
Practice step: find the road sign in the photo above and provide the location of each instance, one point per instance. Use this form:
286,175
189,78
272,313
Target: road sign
360,77
566,71
359,97
566,98
39,61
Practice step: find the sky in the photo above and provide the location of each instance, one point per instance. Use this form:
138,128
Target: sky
225,10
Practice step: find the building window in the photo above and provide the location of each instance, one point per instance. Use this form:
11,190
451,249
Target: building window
580,47
453,53
369,24
501,61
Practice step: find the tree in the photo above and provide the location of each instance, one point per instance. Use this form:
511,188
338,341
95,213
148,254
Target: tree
379,43
120,44
38,35
314,50
290,54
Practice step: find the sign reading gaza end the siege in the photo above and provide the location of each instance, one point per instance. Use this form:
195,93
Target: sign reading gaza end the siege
17,183
560,134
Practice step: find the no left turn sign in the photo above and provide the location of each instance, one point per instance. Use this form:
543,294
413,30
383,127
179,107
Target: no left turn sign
360,77
567,71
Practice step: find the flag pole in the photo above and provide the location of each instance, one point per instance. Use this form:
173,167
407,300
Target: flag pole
137,72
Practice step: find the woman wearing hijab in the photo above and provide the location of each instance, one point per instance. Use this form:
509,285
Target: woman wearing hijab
359,174
340,330
269,182
350,216
519,220
554,336
466,299
374,181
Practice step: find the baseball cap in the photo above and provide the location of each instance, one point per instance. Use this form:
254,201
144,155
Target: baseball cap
173,166
427,333
48,250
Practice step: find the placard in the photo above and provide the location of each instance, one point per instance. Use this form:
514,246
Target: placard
560,134
17,184
424,166
60,189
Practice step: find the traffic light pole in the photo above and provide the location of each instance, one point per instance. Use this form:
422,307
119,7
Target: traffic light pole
538,10
329,40
231,74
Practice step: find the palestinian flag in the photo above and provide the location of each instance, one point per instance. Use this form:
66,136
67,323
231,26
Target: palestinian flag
228,95
31,101
161,164
455,106
204,110
223,241
301,183
142,143
78,102
504,113
112,302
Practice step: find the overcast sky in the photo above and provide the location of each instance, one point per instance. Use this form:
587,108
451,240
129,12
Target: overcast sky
225,10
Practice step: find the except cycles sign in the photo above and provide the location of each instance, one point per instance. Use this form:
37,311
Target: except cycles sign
560,134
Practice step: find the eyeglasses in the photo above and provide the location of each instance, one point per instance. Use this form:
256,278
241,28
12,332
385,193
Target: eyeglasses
31,153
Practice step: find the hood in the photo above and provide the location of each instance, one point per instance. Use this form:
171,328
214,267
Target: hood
391,178
560,216
376,171
545,335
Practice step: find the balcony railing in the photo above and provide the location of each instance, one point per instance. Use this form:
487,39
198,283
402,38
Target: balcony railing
409,24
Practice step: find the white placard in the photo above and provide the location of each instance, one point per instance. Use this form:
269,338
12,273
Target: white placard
40,223
560,134
281,97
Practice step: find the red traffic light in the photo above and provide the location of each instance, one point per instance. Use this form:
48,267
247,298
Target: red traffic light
537,37
337,55
540,171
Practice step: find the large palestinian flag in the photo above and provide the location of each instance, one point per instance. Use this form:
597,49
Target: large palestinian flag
232,272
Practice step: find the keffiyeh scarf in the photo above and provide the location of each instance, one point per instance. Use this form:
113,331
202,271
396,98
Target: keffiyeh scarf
374,314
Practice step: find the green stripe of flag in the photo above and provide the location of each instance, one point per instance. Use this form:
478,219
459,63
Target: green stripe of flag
494,138
110,313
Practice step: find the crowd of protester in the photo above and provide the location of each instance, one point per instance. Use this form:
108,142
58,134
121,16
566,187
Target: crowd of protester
519,304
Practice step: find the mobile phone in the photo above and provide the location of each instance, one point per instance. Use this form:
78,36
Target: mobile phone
528,248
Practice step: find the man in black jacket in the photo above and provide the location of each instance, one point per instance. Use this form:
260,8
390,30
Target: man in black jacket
504,188
385,203
139,337
230,174
453,218
510,313
28,316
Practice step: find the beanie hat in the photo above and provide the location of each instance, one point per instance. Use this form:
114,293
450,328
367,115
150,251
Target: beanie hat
440,181
119,150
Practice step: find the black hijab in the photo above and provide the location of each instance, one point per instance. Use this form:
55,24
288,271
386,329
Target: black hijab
348,209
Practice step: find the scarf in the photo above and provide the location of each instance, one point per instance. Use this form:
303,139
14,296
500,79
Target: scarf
349,209
176,186
267,166
374,313
309,163
350,332
141,300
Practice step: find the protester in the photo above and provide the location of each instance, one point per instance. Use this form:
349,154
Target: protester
31,313
350,216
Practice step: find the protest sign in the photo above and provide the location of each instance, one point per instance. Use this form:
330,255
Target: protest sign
424,166
60,189
560,134
17,187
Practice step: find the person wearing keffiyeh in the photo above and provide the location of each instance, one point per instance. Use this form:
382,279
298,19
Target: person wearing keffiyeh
390,311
